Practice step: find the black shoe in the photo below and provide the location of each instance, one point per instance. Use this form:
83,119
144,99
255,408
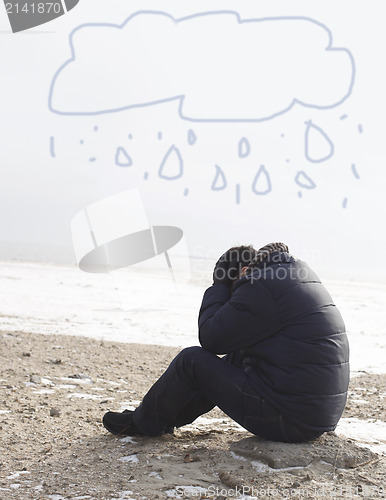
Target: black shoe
120,423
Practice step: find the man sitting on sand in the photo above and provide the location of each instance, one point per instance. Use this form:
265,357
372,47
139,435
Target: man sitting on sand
286,371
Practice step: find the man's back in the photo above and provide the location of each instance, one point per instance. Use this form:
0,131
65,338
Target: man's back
290,336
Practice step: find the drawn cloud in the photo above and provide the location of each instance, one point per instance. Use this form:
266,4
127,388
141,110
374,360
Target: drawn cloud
220,67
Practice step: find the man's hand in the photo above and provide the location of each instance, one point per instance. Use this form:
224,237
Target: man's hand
227,269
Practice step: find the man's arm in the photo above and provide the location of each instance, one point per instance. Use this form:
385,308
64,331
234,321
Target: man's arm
229,322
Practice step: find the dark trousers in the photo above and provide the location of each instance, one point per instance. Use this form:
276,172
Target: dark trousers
195,382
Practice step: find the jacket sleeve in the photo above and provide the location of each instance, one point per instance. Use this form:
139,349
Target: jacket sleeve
228,322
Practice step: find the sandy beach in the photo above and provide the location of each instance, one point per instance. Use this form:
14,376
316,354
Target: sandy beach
55,390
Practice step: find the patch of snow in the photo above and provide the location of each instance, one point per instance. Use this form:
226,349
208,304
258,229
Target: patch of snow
77,381
84,396
128,439
238,457
204,423
263,467
129,458
260,466
129,405
155,474
17,474
370,434
47,381
44,391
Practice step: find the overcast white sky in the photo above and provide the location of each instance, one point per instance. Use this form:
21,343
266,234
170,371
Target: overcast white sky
324,164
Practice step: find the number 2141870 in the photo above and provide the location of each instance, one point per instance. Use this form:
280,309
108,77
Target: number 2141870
33,8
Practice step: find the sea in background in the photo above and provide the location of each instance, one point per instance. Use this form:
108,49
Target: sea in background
142,304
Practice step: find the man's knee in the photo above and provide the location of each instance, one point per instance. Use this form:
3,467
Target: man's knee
193,356
191,352
192,361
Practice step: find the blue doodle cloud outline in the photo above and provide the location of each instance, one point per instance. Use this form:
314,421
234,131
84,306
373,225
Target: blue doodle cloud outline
182,97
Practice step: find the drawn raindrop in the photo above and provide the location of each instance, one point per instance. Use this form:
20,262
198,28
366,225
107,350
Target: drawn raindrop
81,141
304,181
146,175
318,146
92,159
52,146
172,165
262,182
360,129
343,117
219,181
354,171
344,203
244,147
238,194
192,138
186,191
300,194
159,135
130,136
122,159
96,128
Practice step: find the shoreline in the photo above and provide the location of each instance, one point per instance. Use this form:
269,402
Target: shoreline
133,306
203,268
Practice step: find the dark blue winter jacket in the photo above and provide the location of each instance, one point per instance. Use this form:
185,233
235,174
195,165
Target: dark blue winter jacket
283,324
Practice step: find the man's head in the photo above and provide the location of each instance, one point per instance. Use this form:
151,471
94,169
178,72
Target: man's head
233,264
241,260
243,255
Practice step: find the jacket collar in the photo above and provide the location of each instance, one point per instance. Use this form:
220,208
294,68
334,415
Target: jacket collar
275,258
